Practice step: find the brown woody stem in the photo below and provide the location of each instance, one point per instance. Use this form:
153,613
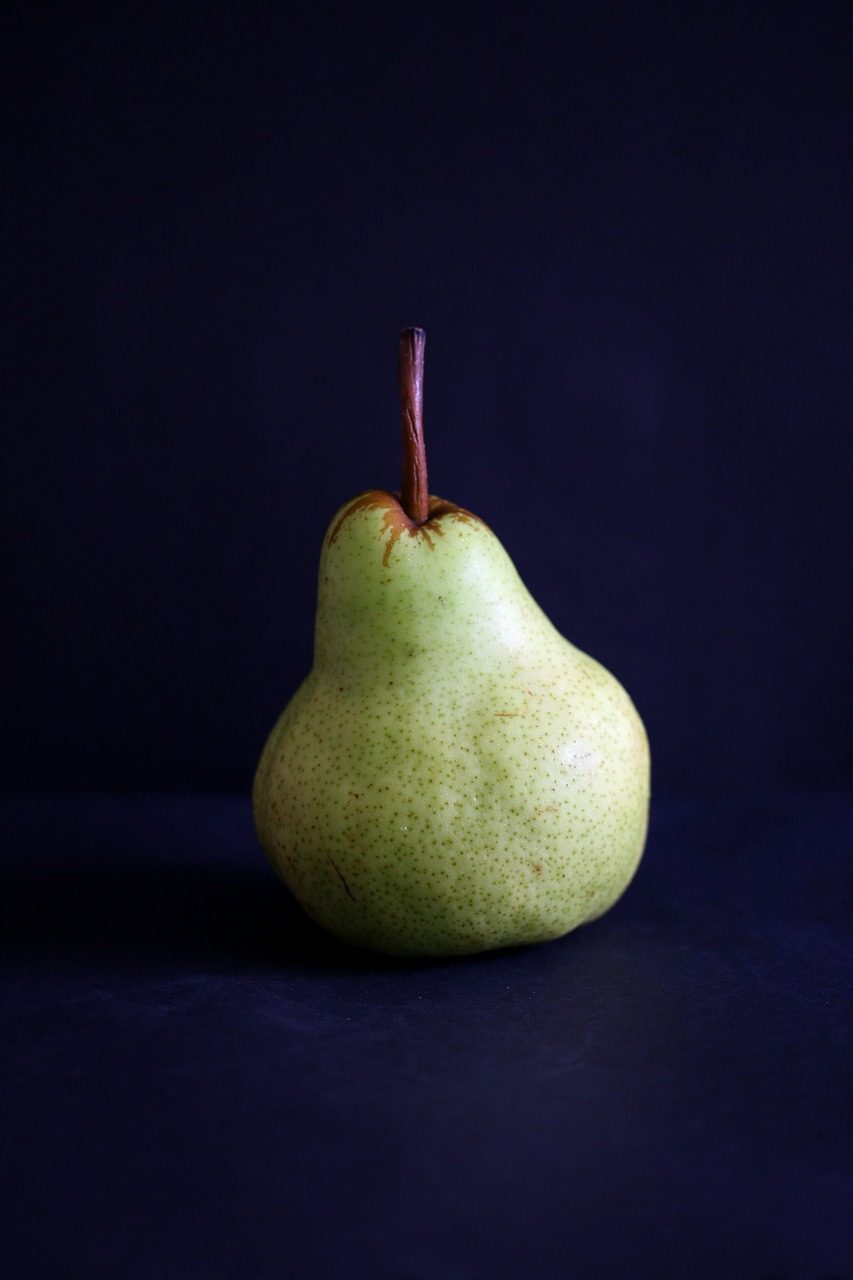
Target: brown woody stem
410,371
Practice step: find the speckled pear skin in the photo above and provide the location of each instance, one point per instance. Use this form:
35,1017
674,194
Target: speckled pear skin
453,775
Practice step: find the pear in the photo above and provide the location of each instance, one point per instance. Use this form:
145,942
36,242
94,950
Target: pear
453,775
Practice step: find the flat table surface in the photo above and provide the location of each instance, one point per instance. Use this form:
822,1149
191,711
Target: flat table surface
197,1082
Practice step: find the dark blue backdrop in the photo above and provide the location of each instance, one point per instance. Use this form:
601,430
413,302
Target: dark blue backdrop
627,233
627,230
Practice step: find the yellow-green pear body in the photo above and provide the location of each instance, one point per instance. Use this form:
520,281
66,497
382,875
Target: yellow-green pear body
453,775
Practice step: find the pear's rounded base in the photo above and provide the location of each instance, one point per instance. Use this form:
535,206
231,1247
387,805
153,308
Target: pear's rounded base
442,928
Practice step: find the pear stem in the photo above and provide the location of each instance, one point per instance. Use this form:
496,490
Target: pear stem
410,373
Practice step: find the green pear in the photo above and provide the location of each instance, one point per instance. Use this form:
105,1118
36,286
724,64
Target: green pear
453,775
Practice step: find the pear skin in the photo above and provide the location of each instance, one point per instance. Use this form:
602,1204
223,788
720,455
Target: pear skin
453,775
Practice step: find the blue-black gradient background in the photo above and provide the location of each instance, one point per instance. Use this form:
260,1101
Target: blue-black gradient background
627,232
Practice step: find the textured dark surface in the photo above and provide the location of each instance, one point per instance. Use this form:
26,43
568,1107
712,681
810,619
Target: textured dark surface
197,1083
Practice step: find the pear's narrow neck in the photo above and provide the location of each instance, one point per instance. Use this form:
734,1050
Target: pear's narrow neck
391,595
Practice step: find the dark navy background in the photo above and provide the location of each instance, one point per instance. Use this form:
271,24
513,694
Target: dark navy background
627,232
